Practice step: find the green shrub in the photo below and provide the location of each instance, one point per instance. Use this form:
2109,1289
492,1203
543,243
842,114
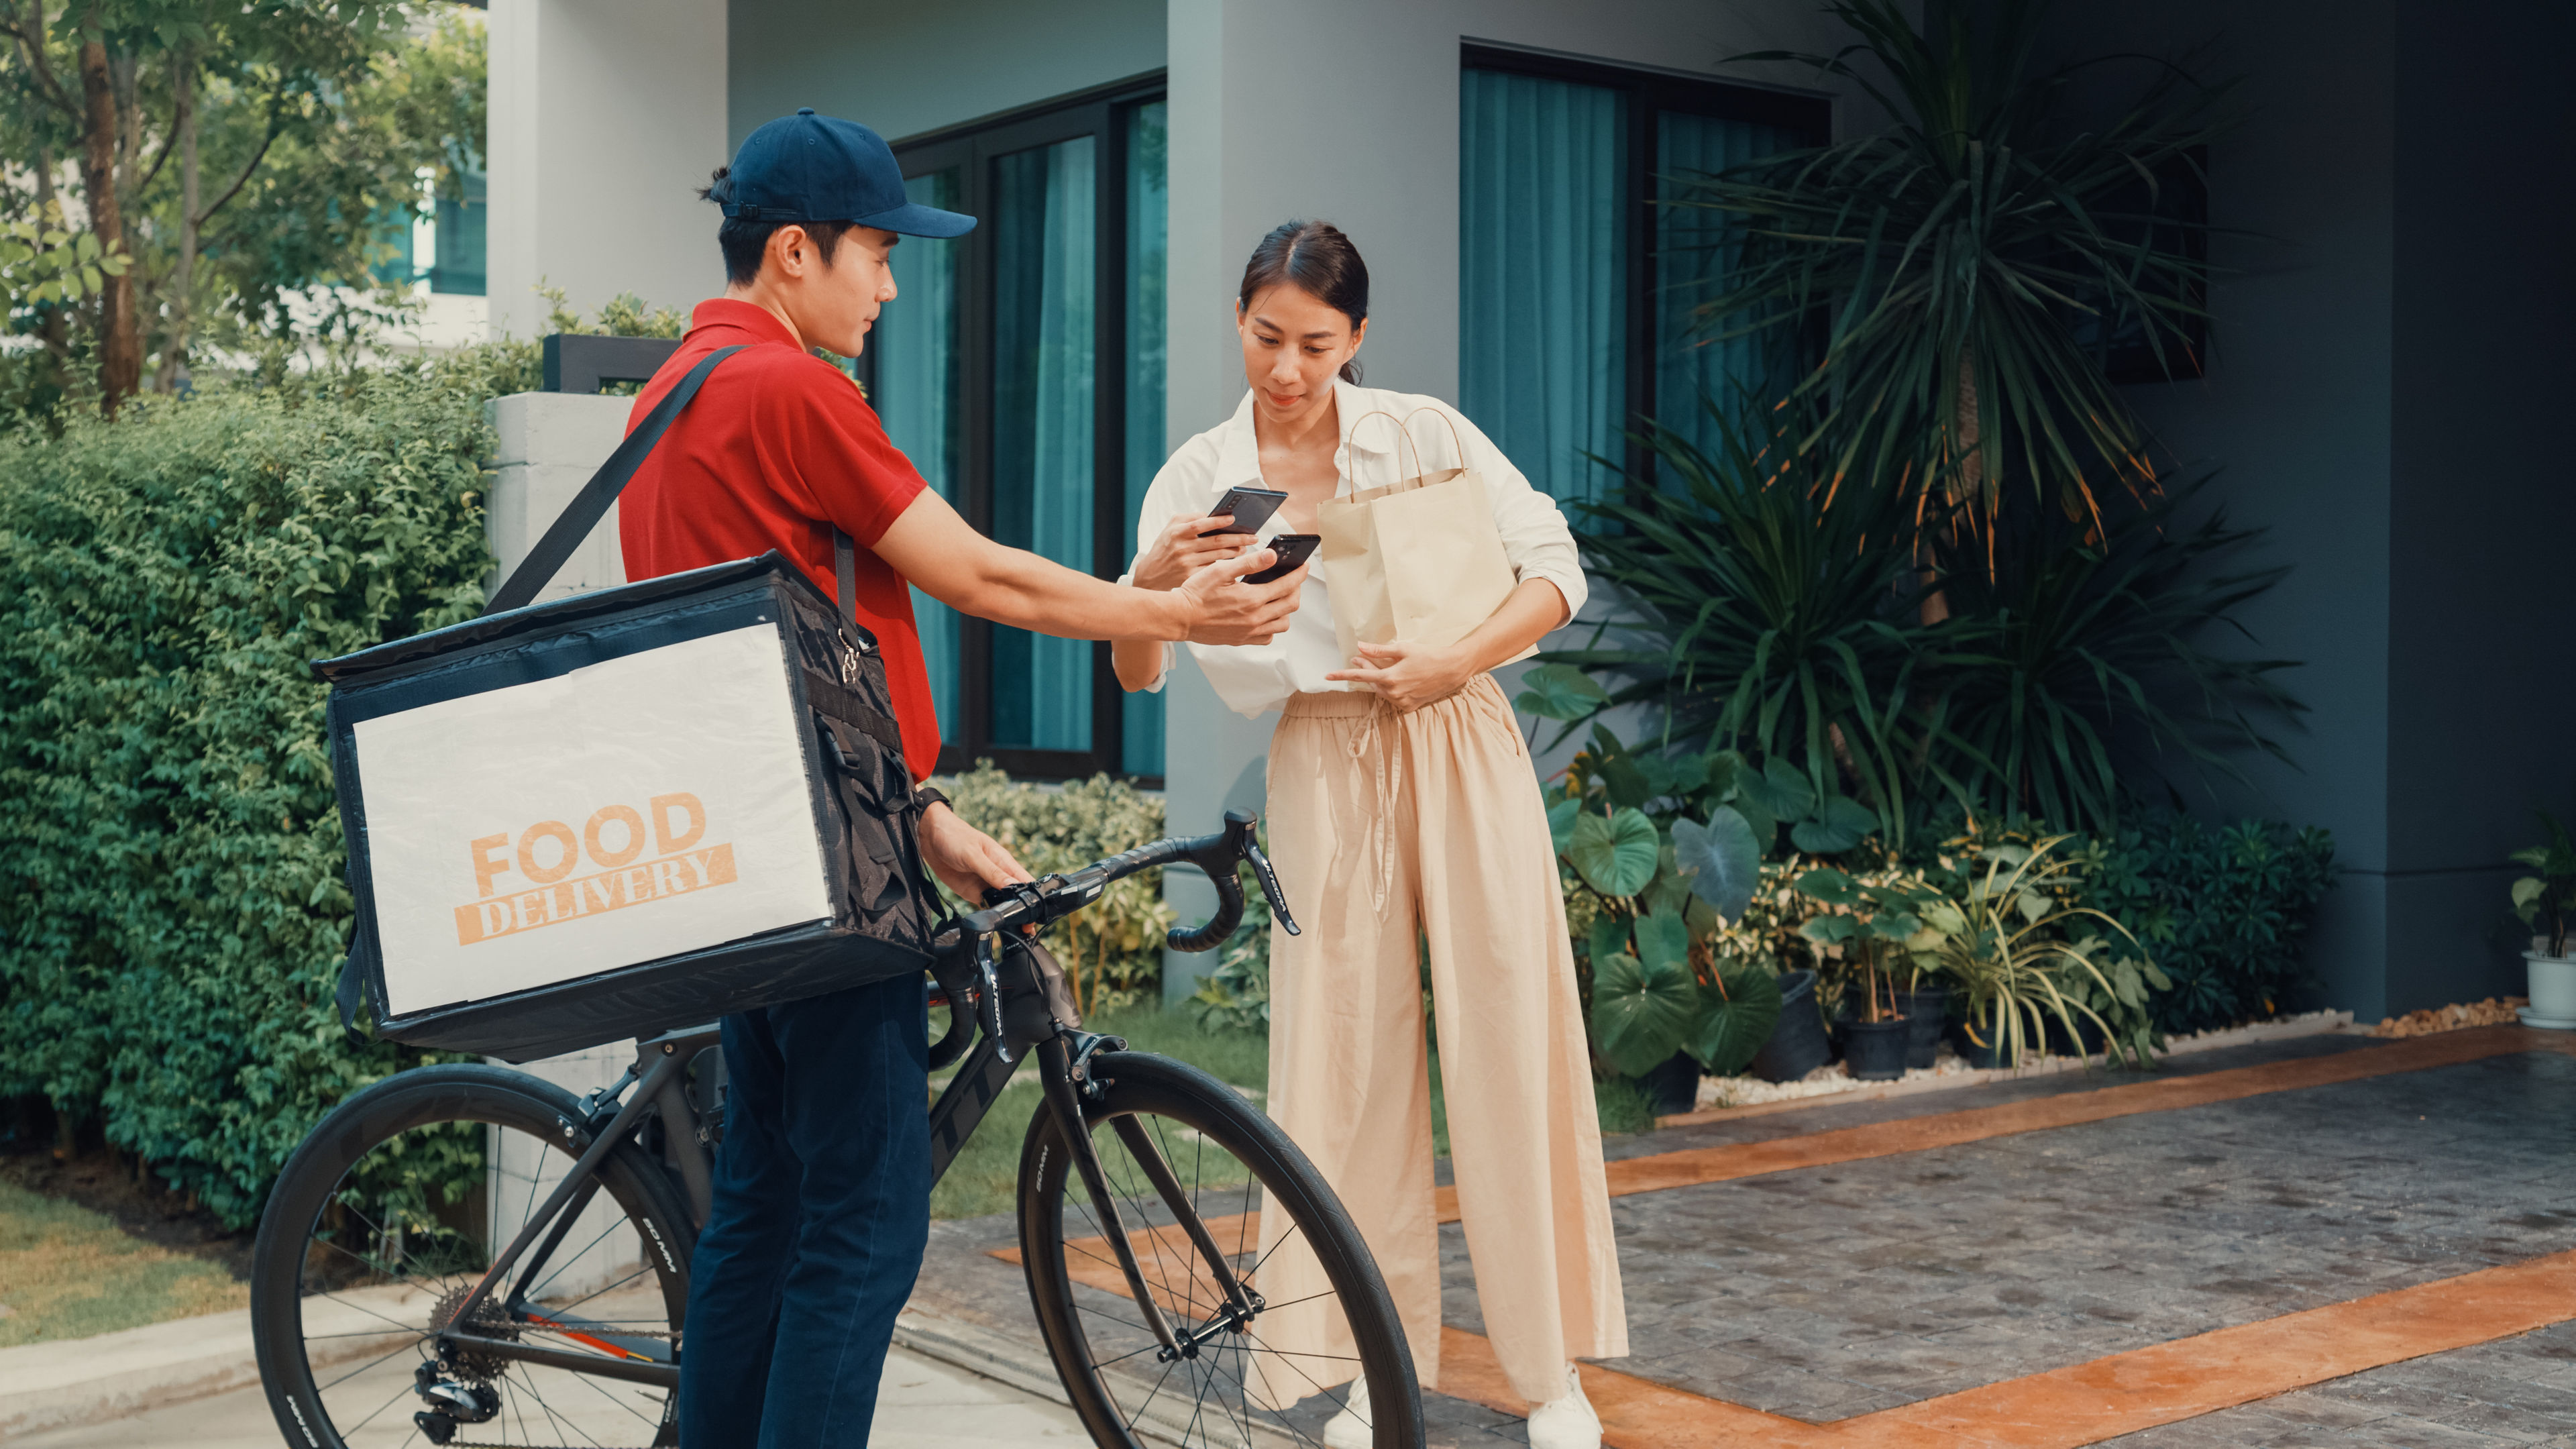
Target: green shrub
1112,948
172,904
2225,910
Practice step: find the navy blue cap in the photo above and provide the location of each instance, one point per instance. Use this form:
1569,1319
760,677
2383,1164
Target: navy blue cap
807,167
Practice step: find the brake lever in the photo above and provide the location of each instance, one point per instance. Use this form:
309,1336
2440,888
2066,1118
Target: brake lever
1270,887
990,1004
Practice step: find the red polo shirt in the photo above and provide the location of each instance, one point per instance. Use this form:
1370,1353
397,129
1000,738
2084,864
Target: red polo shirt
777,447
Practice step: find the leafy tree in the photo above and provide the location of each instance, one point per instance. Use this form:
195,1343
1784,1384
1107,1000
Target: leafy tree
237,153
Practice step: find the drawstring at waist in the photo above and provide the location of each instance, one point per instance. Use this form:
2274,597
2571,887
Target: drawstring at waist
1376,747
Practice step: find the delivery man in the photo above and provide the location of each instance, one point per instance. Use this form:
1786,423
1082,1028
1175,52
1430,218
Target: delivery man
822,1187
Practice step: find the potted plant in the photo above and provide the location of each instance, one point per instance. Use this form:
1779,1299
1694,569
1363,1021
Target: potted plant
2005,945
1670,846
1663,1011
2546,901
1885,930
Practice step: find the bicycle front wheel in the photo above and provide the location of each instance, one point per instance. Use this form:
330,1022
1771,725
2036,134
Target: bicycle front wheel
391,1212
1192,1167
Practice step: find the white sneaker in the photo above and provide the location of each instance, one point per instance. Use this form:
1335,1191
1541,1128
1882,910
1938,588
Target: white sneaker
1566,1423
1350,1429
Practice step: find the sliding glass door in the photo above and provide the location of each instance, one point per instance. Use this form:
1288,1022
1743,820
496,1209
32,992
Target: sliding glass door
1025,363
1575,283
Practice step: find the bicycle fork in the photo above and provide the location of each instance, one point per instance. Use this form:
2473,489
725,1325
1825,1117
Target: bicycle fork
1065,1064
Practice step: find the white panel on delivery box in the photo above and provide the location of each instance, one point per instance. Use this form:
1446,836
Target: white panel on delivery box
627,810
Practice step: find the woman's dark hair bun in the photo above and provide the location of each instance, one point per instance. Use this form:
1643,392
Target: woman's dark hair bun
1316,259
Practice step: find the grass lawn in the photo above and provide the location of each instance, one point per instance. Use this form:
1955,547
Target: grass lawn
985,1176
68,1272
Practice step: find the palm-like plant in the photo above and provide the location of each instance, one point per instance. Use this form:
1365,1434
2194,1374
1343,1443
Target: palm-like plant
2005,943
1962,266
2069,641
1757,608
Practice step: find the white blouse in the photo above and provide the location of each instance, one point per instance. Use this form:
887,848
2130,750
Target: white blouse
1251,678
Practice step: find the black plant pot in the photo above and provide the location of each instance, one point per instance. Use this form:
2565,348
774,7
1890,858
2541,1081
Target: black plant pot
1672,1087
1875,1050
2087,1041
1798,1045
1925,1011
1984,1058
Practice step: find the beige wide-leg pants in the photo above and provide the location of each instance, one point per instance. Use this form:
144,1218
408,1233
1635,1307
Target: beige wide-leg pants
1381,822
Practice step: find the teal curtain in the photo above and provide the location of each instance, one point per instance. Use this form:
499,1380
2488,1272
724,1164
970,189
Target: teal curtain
1141,749
916,394
1543,273
461,247
1045,241
1694,249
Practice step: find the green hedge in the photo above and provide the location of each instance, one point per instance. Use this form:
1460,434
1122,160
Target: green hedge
2224,910
172,903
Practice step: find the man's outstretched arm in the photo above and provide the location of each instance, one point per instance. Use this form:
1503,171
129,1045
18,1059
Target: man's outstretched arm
940,555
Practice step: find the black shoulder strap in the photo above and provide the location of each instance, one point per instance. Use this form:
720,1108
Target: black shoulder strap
591,504
845,574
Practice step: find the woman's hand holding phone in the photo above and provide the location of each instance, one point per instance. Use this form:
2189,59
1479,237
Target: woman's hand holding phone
1226,610
1185,546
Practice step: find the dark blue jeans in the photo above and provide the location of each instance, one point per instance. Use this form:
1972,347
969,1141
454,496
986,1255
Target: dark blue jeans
822,1209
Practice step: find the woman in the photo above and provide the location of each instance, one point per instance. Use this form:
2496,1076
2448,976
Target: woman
1402,800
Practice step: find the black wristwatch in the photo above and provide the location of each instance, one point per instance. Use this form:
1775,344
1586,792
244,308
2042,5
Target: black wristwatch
924,796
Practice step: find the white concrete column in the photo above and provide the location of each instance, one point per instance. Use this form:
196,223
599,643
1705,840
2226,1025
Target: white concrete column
606,116
550,444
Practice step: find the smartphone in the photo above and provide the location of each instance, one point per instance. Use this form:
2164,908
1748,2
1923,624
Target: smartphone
1294,549
1251,508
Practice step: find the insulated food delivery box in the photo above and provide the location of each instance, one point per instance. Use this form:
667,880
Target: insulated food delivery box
624,811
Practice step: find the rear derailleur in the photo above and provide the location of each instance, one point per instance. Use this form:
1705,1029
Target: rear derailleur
450,1403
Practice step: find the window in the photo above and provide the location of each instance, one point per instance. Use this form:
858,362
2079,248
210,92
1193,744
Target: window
438,239
1575,288
1021,368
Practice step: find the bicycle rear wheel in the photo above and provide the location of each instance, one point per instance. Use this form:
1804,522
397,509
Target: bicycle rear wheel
1238,1382
391,1211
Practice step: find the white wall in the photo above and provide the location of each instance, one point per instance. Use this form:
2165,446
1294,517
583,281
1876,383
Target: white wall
606,115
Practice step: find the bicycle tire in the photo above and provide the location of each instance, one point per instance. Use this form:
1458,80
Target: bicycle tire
292,1263
1077,1292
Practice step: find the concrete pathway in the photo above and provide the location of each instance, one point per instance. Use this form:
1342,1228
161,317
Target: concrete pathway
925,1404
2332,1240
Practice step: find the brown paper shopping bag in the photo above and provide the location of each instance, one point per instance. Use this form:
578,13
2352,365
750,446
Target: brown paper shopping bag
1417,561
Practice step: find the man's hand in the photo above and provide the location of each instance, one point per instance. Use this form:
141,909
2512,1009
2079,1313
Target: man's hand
1222,609
964,858
1181,551
1409,678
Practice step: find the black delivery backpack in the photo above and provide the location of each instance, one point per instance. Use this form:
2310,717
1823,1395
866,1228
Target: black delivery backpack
626,811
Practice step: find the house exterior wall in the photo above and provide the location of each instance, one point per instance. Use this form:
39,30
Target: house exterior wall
2380,404
606,116
2385,360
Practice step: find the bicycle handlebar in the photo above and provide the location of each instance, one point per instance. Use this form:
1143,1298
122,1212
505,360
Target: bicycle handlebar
1041,902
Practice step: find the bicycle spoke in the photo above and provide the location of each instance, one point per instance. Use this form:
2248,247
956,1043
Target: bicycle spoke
371,1363
380,1408
621,1403
534,1293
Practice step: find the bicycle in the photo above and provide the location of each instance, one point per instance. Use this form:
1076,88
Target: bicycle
377,1280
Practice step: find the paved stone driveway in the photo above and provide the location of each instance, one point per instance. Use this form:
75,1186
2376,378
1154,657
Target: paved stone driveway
1835,1291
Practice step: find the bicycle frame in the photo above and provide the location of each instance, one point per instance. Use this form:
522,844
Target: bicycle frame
659,1075
993,990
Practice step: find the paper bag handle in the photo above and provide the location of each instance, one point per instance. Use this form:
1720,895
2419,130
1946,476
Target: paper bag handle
1404,435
